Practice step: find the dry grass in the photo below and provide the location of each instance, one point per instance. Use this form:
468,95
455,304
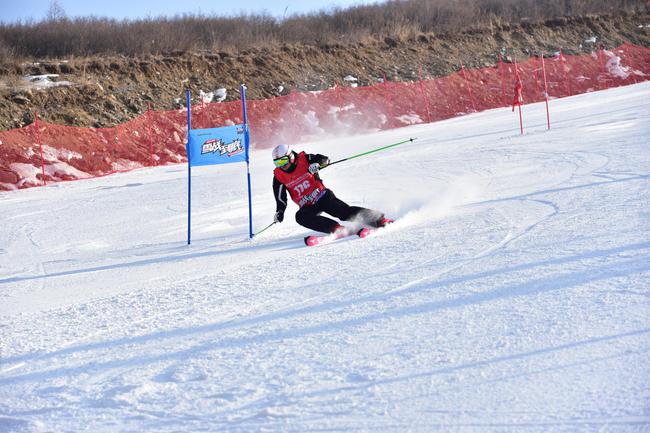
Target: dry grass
58,36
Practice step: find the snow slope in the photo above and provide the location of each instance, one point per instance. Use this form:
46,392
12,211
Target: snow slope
512,295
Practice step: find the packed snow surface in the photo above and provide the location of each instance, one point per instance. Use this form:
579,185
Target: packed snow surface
511,295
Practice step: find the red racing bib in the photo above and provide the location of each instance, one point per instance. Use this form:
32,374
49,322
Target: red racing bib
304,188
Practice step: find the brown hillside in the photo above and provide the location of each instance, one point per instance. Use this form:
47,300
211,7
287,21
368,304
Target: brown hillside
104,91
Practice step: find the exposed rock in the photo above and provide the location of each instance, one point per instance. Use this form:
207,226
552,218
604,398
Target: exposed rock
20,99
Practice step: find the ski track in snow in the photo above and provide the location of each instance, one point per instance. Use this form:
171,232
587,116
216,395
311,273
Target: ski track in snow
511,294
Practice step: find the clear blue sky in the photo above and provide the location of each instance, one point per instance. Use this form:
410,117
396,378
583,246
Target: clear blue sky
14,10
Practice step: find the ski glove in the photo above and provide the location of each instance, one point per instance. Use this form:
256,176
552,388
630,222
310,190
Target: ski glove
278,217
314,167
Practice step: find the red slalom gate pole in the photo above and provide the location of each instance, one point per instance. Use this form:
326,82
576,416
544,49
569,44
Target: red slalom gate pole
40,145
548,116
518,99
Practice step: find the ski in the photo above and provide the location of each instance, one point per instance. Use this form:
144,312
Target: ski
316,240
368,231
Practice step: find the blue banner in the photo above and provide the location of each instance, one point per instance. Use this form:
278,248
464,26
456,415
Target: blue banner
217,145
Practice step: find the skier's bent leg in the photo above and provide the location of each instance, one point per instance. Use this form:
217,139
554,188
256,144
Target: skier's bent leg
366,217
338,208
310,218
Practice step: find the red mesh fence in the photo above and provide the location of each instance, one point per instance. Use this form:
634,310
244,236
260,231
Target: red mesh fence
43,152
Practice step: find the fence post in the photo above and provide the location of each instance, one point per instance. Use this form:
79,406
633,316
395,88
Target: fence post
548,116
338,100
292,102
501,72
389,105
469,87
119,136
601,69
518,99
623,50
150,133
202,112
113,145
565,73
40,145
424,95
536,70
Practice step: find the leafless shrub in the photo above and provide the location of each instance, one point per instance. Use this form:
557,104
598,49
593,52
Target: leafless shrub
6,52
59,36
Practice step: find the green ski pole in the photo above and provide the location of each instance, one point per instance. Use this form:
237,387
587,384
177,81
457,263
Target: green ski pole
264,229
371,151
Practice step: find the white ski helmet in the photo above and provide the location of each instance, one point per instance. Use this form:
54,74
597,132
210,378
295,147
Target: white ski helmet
281,150
283,157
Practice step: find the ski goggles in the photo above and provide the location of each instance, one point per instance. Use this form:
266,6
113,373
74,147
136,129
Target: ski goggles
281,162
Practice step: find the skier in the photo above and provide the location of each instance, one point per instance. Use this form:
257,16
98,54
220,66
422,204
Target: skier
298,173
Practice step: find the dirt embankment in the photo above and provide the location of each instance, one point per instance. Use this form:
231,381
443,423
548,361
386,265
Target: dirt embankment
104,91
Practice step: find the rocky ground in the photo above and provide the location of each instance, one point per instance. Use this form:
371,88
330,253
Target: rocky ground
104,91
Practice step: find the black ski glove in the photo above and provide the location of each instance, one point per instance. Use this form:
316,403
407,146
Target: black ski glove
278,217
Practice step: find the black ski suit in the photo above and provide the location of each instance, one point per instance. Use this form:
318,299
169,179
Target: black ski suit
309,215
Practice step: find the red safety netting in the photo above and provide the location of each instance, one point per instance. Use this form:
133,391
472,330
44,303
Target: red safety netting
43,152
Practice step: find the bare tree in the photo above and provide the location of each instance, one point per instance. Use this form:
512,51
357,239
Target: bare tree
55,12
57,35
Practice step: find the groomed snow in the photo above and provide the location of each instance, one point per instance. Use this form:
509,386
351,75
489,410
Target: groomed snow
512,294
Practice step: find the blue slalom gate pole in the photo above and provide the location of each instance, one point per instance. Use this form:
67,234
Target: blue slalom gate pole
189,168
248,171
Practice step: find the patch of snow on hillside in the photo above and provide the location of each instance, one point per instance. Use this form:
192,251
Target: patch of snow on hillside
614,66
53,154
44,81
61,170
26,172
410,119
